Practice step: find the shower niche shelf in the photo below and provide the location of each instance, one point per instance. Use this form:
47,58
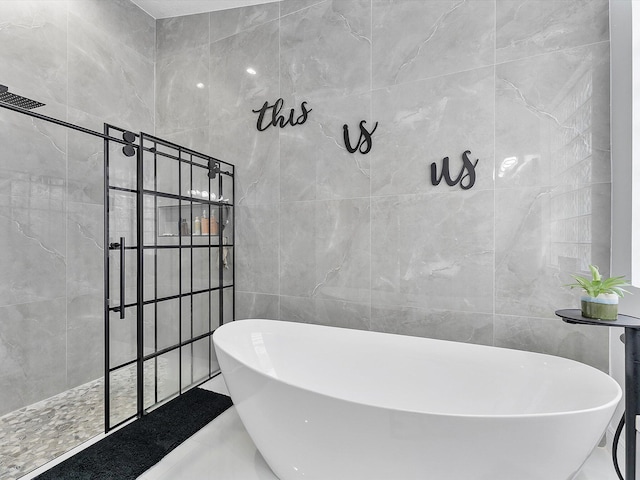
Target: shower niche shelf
178,222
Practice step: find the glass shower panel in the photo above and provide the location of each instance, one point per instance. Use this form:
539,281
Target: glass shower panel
201,353
186,365
227,185
215,308
195,315
149,168
122,169
122,394
200,274
122,337
167,375
167,327
224,217
200,313
149,395
52,219
228,303
166,173
195,362
149,219
187,189
168,272
122,216
149,274
200,186
161,330
161,378
225,264
186,257
149,330
185,270
185,318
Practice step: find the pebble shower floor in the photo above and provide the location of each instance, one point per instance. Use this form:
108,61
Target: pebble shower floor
39,433
34,435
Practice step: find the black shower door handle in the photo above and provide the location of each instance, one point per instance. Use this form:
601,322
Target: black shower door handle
122,277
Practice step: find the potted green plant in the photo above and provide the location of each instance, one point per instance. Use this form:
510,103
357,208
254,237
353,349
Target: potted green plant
601,301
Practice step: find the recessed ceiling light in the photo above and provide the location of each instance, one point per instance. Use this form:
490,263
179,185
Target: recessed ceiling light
200,85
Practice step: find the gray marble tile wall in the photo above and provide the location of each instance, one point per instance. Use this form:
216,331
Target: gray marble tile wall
323,235
366,241
91,62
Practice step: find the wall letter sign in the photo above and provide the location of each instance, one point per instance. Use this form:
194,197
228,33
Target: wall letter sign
277,119
466,178
270,116
364,142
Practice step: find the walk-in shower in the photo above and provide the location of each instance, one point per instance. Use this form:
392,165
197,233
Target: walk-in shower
111,304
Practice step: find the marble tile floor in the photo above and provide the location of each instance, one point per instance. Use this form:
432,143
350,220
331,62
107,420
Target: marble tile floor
223,451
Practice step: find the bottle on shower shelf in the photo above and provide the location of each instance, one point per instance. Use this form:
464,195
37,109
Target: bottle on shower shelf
204,223
213,225
184,227
197,226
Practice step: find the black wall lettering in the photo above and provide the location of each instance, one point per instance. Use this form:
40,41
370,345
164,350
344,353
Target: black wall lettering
261,113
273,116
276,118
470,171
305,113
466,178
364,142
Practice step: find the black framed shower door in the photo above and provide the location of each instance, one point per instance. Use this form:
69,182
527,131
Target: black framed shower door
169,269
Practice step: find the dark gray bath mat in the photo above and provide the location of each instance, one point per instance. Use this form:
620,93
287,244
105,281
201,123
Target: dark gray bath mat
129,452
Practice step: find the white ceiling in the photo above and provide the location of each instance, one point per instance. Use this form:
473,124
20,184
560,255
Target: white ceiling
176,8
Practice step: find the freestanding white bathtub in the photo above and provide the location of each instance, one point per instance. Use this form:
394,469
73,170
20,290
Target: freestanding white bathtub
324,403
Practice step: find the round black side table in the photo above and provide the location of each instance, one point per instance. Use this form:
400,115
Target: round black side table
631,327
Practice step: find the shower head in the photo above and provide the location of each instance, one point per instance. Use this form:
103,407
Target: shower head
17,100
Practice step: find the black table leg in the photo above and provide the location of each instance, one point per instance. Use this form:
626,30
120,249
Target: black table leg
631,327
632,396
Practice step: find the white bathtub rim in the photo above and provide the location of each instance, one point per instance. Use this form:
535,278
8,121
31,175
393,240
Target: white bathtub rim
533,416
